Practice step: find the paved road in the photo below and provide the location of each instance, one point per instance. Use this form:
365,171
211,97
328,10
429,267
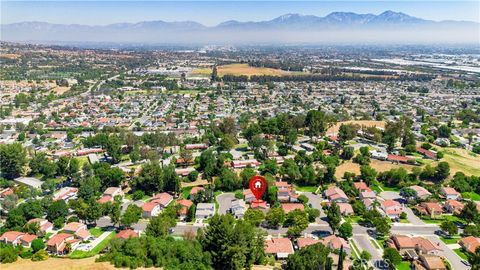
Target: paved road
225,202
363,242
392,195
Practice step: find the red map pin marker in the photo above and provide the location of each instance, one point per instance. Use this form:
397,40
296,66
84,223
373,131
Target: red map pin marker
258,185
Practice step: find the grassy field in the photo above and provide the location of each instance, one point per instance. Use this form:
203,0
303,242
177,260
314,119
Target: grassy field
79,254
240,69
306,188
441,218
379,165
461,160
471,195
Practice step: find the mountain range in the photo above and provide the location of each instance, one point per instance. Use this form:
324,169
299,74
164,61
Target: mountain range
388,26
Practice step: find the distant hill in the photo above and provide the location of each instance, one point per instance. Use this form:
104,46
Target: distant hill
339,27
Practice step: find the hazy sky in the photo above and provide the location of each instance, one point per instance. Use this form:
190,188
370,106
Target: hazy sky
214,12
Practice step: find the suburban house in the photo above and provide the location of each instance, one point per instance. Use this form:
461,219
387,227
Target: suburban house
125,234
249,197
361,186
65,193
431,262
151,209
427,153
335,194
334,242
163,199
79,229
184,208
238,208
44,225
431,208
289,207
194,191
205,210
285,192
57,244
306,241
470,243
453,206
450,193
110,193
411,246
367,195
279,247
345,209
420,192
15,238
240,164
392,209
261,205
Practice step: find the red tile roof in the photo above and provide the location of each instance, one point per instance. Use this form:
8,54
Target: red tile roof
279,245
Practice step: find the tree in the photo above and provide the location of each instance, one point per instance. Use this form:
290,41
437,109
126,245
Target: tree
114,148
392,256
444,131
94,211
347,132
40,255
159,226
368,174
8,254
13,159
89,188
132,215
470,212
317,122
382,226
275,217
474,259
115,213
442,171
171,181
150,179
449,227
37,244
232,244
347,153
333,215
345,230
246,175
58,209
310,257
254,216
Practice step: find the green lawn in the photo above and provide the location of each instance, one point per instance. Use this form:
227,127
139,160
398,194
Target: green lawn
353,219
306,188
441,218
79,254
96,231
461,253
471,195
186,192
403,266
449,241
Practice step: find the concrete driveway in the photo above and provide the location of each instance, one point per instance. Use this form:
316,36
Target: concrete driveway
392,195
225,202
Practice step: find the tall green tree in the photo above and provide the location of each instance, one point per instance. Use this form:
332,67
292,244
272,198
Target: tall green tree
13,159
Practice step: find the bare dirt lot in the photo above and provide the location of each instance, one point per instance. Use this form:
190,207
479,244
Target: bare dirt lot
367,123
241,69
58,264
380,166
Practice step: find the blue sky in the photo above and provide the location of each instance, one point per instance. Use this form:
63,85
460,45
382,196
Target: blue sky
214,12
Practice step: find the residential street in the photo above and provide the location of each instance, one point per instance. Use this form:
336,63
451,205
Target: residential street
392,195
225,202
